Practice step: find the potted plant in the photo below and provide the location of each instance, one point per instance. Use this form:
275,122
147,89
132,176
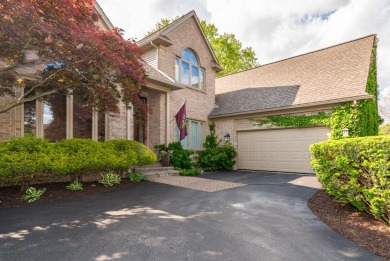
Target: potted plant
165,157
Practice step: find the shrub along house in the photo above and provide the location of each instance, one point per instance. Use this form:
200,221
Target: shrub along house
181,68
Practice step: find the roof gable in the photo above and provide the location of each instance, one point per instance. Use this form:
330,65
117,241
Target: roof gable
160,36
335,73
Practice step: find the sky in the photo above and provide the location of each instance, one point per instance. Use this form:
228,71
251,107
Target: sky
275,29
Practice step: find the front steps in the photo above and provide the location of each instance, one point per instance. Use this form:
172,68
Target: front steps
156,170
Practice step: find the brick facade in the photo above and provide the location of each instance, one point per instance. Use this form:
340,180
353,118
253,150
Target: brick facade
199,103
157,118
10,121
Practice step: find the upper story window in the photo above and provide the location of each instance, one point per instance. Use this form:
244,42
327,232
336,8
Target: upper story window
188,71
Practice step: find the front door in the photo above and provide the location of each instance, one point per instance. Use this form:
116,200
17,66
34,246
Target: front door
140,130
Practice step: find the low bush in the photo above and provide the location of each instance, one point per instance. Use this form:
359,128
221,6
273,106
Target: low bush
109,179
78,157
121,155
32,194
75,186
219,158
136,176
189,172
180,157
356,171
216,156
24,159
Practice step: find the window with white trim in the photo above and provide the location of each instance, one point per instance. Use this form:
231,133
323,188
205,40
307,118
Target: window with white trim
50,119
188,71
195,135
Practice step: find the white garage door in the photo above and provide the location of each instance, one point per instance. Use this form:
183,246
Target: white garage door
285,150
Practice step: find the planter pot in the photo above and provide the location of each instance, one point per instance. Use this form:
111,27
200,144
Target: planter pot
165,161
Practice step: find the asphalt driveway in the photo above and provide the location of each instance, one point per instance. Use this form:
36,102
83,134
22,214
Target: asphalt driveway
266,218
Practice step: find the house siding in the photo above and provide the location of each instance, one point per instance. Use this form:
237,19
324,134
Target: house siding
151,58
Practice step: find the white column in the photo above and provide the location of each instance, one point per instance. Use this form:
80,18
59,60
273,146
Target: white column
69,116
167,128
129,129
95,125
39,119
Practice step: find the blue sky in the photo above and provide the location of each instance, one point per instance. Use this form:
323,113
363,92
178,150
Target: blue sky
275,29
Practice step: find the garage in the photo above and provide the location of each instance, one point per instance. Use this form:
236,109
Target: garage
284,150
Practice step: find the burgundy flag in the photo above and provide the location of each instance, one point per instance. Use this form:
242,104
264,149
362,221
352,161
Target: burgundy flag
181,121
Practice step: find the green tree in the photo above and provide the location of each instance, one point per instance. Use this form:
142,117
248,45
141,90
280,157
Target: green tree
229,51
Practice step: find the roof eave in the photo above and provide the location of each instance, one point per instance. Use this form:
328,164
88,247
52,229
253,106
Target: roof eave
173,86
216,67
327,102
158,41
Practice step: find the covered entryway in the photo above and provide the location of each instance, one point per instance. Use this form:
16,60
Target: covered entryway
285,150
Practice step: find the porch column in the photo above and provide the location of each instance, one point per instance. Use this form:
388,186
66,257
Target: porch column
167,106
69,117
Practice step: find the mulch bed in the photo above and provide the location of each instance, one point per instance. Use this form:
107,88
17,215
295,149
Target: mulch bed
11,196
359,227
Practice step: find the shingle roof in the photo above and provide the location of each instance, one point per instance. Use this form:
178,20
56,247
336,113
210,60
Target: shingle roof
333,73
153,74
254,99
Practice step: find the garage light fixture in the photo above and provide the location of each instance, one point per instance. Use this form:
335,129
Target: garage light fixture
345,132
226,137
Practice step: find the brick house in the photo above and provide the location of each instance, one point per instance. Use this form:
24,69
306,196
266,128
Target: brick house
181,68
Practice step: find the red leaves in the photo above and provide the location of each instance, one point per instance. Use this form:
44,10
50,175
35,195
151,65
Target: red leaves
67,31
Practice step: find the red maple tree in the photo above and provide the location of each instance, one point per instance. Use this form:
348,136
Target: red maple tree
64,37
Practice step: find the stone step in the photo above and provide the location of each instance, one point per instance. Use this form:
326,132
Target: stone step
162,174
152,168
157,171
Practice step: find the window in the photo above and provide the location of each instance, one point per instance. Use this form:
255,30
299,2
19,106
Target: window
195,133
30,119
188,72
54,117
82,120
60,116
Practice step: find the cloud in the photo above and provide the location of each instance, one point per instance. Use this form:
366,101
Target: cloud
140,17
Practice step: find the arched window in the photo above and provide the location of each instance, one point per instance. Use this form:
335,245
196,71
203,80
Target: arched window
188,71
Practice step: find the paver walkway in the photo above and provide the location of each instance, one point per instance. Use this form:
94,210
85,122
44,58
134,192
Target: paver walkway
201,184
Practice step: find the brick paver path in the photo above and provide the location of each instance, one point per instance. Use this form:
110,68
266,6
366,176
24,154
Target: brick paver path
207,185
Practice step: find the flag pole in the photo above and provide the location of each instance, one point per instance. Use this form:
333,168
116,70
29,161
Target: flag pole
176,113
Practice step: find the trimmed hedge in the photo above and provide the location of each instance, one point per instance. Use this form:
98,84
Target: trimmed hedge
356,171
217,158
24,159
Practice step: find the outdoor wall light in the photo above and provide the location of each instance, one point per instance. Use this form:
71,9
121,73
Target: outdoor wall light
345,132
226,137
